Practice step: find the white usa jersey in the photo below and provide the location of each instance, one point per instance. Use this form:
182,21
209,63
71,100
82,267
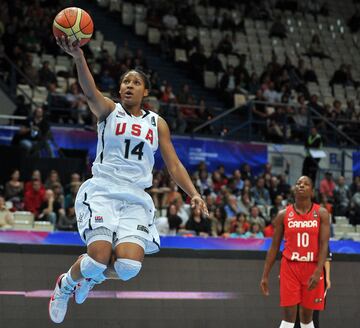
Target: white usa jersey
126,147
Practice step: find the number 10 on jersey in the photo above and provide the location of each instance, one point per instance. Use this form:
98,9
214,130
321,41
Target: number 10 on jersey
303,239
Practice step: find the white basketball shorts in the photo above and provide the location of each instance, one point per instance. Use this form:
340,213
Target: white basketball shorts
127,212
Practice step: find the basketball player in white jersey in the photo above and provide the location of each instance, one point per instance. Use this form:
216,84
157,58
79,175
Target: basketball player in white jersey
114,213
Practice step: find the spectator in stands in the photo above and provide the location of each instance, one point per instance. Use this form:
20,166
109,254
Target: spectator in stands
327,186
34,197
198,223
254,84
67,222
170,21
240,229
231,207
52,178
197,63
225,45
124,52
255,217
245,202
34,135
204,181
313,103
239,183
246,172
14,188
49,208
75,177
78,105
271,94
139,60
228,85
184,94
268,231
213,63
174,220
58,193
29,70
22,109
354,21
316,49
300,119
172,196
158,193
46,75
324,202
273,188
277,29
303,74
106,82
354,211
6,217
342,76
69,201
311,163
219,223
256,231
278,205
35,175
284,187
218,181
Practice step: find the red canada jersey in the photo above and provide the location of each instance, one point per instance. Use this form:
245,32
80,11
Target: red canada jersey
301,234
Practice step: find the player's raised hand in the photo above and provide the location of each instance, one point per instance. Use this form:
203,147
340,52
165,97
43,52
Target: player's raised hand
264,286
197,201
314,280
71,48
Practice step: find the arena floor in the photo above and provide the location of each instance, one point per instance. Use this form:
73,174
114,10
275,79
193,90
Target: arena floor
170,292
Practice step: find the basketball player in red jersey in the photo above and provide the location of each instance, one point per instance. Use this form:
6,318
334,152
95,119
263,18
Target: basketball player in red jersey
305,227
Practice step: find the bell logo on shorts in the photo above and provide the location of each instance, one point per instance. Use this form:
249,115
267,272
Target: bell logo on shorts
318,300
142,228
98,219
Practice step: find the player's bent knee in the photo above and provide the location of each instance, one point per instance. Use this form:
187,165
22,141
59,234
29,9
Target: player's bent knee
127,269
90,268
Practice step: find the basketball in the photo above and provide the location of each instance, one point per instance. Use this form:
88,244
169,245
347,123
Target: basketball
75,23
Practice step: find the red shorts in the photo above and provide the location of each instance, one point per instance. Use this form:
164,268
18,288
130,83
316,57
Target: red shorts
294,278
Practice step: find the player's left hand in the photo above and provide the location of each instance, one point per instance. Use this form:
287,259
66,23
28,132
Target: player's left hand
314,280
197,201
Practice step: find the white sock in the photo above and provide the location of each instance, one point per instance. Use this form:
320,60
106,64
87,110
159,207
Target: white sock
286,324
100,278
68,280
307,325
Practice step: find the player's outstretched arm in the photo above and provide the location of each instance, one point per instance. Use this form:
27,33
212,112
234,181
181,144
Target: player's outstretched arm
323,248
99,105
175,167
272,252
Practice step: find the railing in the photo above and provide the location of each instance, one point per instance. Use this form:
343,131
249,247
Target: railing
11,82
237,125
247,121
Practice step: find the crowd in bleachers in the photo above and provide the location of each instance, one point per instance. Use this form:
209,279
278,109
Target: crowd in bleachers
50,80
240,204
255,49
250,48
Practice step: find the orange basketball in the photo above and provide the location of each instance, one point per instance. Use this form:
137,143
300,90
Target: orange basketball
75,23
